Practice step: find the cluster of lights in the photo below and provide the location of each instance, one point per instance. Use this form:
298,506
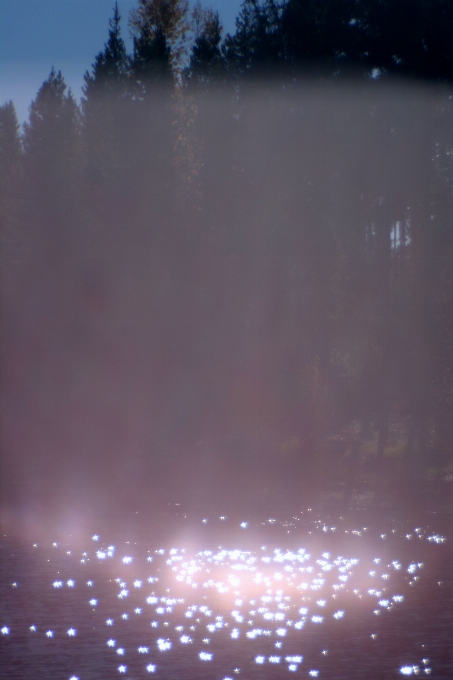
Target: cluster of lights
290,589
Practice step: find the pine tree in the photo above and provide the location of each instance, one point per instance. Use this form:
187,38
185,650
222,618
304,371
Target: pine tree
105,107
256,45
159,29
10,175
51,133
206,61
52,160
111,66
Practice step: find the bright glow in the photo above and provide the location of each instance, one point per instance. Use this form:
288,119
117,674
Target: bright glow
280,580
164,645
317,619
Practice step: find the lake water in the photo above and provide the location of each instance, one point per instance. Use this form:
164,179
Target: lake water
219,598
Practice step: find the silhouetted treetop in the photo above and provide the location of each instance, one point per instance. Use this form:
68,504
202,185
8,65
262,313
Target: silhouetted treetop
111,66
206,60
54,119
10,142
159,29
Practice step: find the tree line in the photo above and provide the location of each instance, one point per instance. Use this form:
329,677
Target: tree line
276,209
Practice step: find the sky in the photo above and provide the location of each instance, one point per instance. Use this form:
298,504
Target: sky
66,34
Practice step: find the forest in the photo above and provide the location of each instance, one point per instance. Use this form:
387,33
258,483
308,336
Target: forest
240,244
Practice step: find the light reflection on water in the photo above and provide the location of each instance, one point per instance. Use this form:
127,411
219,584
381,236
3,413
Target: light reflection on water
240,612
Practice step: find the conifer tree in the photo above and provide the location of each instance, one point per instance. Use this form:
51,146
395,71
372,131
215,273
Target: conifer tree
206,61
51,142
159,29
256,43
10,175
51,132
105,105
111,66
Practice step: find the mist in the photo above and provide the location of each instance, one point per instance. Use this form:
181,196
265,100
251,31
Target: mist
229,299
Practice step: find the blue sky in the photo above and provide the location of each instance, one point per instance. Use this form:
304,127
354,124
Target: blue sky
67,34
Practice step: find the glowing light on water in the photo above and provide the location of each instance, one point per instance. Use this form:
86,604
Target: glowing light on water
278,580
163,645
205,656
436,538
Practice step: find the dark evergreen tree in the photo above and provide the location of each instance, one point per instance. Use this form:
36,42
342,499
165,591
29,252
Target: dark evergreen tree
10,176
256,44
206,61
111,67
159,30
105,107
51,142
52,130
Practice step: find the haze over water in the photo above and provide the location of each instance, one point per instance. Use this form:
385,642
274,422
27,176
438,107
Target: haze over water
246,325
